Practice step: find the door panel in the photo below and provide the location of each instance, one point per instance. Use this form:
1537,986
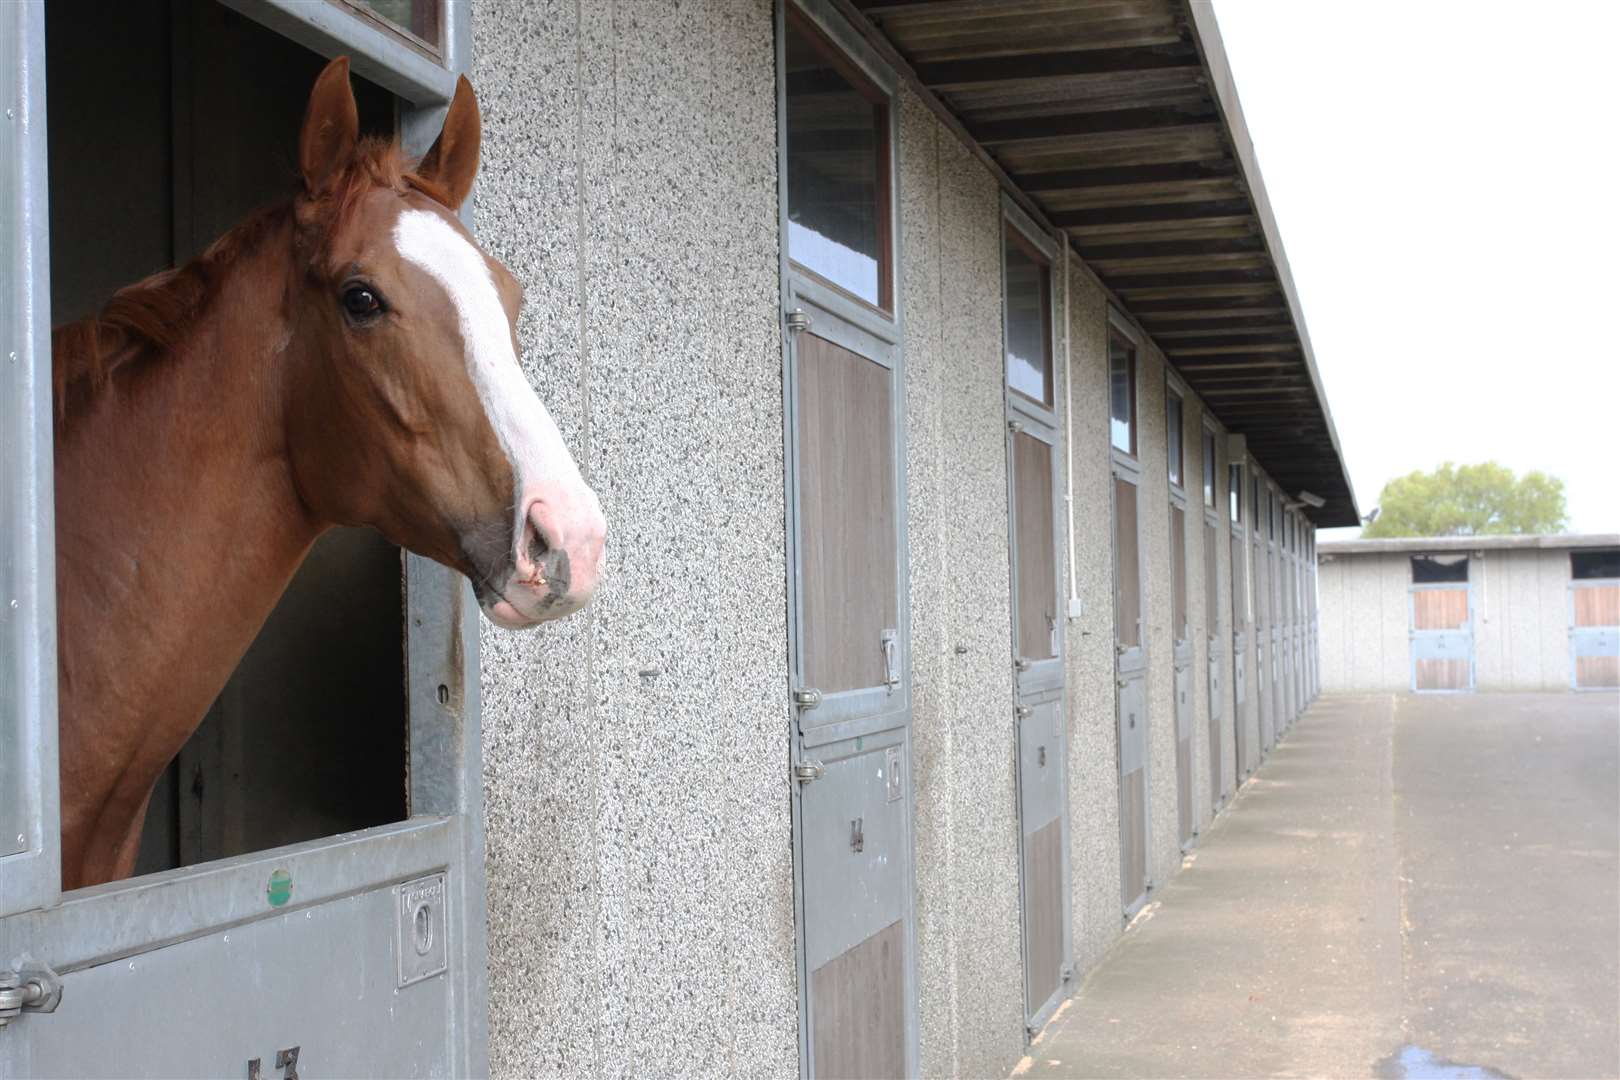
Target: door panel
1043,825
1127,575
847,524
1594,635
1133,794
1442,639
1034,533
1184,753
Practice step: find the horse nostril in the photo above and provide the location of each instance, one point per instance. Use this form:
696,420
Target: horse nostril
538,548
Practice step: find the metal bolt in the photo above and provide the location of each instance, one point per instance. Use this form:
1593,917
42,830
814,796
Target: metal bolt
14,605
12,356
11,114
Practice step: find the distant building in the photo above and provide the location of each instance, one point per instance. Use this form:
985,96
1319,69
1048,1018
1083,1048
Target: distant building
1458,614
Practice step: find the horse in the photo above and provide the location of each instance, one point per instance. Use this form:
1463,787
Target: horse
348,356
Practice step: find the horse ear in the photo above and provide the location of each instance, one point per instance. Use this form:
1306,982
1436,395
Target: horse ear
331,128
453,160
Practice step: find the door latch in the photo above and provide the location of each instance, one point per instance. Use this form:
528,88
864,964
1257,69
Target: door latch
806,698
806,771
890,640
30,989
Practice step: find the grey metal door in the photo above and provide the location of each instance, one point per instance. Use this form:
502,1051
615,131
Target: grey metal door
1264,654
1442,633
355,954
1279,651
851,745
1038,708
1131,716
1594,634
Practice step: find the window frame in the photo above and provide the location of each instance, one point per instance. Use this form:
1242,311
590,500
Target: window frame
1020,231
1119,328
1433,558
1574,575
1234,493
1175,465
881,93
1208,446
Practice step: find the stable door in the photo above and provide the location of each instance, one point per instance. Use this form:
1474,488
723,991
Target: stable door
1131,683
1181,669
1038,711
851,745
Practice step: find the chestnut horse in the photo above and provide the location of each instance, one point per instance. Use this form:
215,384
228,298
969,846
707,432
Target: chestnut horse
347,357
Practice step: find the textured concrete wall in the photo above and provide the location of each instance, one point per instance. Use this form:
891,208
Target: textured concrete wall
1093,734
970,960
639,858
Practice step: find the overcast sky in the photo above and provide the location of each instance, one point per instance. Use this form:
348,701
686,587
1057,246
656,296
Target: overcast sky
1445,177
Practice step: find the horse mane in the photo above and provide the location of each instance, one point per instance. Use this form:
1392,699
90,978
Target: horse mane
154,316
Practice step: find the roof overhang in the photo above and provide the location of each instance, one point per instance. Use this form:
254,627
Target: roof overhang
1420,544
1117,123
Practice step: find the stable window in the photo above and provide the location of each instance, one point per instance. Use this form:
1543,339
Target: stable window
1594,565
1439,569
417,23
1234,492
1209,470
1122,392
1173,436
838,203
1029,317
1254,503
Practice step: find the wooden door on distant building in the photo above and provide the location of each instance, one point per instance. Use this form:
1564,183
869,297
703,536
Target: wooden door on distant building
1442,625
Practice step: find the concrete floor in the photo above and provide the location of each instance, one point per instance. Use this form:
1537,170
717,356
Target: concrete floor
1439,875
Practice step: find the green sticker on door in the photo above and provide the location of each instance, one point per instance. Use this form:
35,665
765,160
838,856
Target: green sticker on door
279,890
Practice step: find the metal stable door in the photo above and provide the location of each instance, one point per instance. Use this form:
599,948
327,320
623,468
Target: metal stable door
1131,684
1038,710
1240,659
1264,654
851,745
1442,638
357,954
1181,664
1594,634
1212,641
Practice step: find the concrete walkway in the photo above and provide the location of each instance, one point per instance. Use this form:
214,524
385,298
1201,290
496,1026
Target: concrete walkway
1438,876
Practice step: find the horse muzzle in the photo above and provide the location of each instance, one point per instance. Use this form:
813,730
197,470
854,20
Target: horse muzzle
557,559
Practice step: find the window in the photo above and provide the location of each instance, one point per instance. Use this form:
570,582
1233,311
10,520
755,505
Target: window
418,22
1594,565
1439,569
1271,514
1209,469
1029,317
1234,492
1122,393
1173,436
838,167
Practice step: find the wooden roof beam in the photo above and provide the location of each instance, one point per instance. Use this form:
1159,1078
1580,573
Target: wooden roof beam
989,70
1105,122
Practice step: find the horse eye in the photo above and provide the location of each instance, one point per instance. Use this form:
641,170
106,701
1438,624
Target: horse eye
361,302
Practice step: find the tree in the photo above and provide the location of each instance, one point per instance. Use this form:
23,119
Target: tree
1469,500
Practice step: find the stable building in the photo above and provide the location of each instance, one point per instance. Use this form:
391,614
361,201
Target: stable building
943,381
1457,614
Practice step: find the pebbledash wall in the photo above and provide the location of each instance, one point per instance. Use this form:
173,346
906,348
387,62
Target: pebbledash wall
1520,609
641,905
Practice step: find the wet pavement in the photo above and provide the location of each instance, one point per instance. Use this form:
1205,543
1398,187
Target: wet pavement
1410,887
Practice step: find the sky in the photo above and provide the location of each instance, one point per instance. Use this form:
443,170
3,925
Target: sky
1445,176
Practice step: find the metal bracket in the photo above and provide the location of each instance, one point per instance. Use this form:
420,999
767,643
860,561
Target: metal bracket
797,320
806,698
35,988
1021,663
890,642
806,771
1022,711
1015,426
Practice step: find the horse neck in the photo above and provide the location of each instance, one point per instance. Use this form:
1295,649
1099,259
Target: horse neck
178,528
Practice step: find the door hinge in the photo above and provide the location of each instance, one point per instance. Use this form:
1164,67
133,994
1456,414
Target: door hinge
1015,426
1022,711
889,640
1021,663
32,989
806,698
806,771
797,320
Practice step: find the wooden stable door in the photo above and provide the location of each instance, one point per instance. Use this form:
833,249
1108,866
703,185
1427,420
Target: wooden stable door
1595,634
851,749
1442,639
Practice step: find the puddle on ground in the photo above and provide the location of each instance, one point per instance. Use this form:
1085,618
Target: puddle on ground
1416,1063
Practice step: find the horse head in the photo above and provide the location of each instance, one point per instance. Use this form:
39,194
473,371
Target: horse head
410,412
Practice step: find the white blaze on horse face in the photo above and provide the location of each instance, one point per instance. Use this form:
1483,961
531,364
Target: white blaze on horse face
553,500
